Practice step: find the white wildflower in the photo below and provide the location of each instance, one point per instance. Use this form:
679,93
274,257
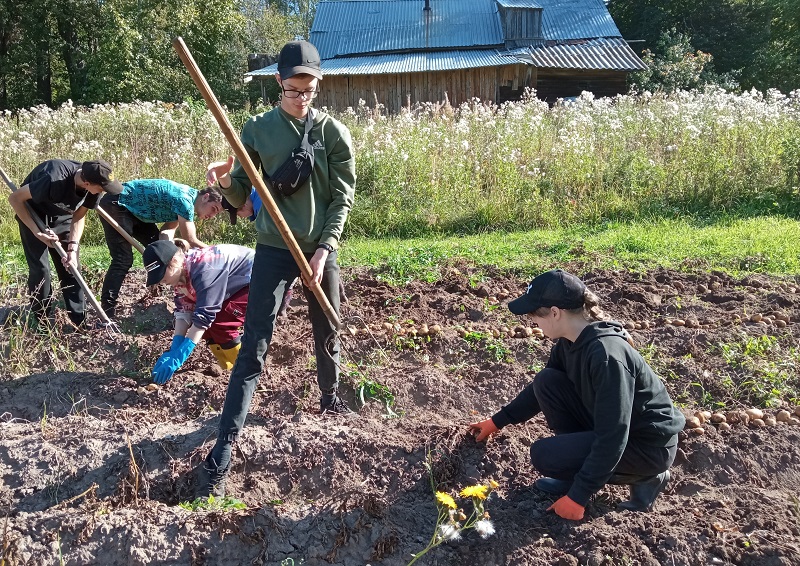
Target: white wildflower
449,532
485,528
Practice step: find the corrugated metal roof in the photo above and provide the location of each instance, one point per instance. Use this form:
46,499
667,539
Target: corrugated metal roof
417,62
367,26
519,4
606,54
577,19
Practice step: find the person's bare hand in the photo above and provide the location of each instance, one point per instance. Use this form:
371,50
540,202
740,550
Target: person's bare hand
48,237
317,265
483,429
218,169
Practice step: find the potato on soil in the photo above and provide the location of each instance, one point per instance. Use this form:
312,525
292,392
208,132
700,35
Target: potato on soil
754,413
783,416
723,427
769,420
699,431
718,418
757,317
758,423
435,329
693,422
678,322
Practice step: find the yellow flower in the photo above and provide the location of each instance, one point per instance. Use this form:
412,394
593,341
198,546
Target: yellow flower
494,484
478,491
445,499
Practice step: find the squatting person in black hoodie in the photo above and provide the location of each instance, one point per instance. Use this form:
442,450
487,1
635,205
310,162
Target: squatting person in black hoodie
614,421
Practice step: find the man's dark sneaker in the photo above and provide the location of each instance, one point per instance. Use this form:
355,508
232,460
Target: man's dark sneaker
210,479
645,491
333,405
553,486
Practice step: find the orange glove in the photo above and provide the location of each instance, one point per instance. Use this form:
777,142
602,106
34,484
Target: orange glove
566,508
483,429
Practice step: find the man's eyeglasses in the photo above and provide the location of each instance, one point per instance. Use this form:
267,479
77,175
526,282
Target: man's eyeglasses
306,94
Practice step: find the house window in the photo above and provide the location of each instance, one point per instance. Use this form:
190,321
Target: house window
521,26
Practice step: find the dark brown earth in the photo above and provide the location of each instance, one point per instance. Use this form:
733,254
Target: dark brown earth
93,464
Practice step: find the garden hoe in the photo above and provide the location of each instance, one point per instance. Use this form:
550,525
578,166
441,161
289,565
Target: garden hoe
110,326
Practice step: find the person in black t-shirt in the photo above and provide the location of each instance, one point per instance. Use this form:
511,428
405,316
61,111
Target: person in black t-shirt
60,192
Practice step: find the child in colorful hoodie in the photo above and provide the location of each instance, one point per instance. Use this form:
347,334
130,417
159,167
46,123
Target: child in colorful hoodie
211,286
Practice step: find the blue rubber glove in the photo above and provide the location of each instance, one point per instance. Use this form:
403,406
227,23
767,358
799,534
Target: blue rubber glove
170,361
177,340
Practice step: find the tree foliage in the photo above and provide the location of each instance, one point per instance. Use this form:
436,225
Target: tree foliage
94,51
755,41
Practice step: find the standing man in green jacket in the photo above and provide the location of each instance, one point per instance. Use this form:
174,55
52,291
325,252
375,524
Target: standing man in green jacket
316,213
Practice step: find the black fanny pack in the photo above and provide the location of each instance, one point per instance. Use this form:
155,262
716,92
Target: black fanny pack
295,171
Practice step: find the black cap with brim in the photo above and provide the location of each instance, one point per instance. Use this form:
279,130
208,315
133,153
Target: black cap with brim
299,57
156,257
99,172
554,288
232,210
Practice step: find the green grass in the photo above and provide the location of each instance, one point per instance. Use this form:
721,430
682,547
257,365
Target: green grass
763,244
767,245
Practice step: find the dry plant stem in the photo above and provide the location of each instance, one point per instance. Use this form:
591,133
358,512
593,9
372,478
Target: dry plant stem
4,546
134,472
89,491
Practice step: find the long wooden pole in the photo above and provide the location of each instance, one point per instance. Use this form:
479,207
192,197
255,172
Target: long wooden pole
254,175
73,269
122,232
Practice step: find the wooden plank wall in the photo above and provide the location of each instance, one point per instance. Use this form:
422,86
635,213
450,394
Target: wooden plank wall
394,91
560,83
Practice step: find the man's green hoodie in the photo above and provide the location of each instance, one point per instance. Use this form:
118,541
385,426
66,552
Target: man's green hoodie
317,212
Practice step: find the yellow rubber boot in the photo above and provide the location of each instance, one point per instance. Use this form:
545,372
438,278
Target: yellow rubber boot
225,358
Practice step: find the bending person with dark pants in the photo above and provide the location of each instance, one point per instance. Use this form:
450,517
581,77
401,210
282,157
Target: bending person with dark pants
315,211
613,419
211,286
60,192
137,209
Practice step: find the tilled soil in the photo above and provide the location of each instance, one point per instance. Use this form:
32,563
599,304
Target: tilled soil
93,462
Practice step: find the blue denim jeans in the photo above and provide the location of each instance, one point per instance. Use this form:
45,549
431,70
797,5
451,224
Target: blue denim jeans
273,271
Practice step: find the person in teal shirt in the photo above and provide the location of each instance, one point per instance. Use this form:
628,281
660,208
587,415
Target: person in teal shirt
142,204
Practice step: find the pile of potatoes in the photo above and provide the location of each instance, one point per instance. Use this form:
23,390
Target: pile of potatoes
755,418
412,330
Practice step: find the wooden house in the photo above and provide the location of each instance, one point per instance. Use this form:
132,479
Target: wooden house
398,52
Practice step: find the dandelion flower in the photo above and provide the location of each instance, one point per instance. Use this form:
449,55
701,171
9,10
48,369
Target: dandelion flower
485,528
478,491
493,484
449,532
445,499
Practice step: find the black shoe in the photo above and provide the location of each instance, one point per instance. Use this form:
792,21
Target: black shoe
211,479
553,486
334,405
645,491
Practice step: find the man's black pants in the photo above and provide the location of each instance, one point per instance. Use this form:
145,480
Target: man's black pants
39,276
120,249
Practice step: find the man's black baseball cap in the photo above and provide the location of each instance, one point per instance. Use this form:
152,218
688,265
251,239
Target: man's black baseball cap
99,173
298,57
231,210
554,288
156,257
